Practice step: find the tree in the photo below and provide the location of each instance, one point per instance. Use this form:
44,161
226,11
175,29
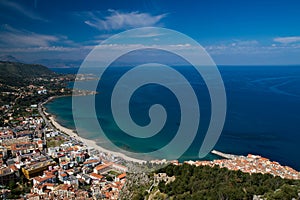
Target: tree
205,182
11,184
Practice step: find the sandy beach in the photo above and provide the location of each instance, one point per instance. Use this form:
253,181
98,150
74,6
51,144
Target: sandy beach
87,142
90,143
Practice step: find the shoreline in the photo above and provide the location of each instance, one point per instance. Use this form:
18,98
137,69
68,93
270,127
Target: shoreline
90,143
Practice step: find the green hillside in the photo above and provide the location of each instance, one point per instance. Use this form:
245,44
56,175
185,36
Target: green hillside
190,182
14,73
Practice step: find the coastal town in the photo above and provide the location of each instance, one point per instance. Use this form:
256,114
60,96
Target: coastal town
40,159
66,168
249,164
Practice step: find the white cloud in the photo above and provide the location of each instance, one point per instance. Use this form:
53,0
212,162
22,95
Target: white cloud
42,49
112,47
15,40
146,35
21,9
11,37
246,42
118,20
287,40
233,47
254,47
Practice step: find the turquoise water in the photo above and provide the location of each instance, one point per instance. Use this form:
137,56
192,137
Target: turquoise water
262,114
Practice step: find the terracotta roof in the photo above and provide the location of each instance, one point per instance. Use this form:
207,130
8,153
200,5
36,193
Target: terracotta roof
13,167
41,179
103,166
97,176
69,149
63,187
122,176
91,161
49,184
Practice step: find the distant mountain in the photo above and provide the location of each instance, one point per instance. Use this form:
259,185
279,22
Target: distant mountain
59,63
8,58
14,73
50,63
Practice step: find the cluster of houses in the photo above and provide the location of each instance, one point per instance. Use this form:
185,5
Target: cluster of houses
79,172
250,164
71,170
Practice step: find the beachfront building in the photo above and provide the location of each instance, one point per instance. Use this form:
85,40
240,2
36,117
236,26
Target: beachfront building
37,168
102,168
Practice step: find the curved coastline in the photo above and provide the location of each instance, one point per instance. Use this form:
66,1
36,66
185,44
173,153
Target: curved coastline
91,143
87,142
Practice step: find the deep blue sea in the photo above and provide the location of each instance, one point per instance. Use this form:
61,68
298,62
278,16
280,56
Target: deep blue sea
263,113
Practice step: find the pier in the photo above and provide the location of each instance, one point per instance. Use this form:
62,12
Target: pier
223,155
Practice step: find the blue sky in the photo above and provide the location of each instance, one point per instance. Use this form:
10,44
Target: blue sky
233,32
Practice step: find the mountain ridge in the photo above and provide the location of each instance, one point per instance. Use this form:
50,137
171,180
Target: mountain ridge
12,73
